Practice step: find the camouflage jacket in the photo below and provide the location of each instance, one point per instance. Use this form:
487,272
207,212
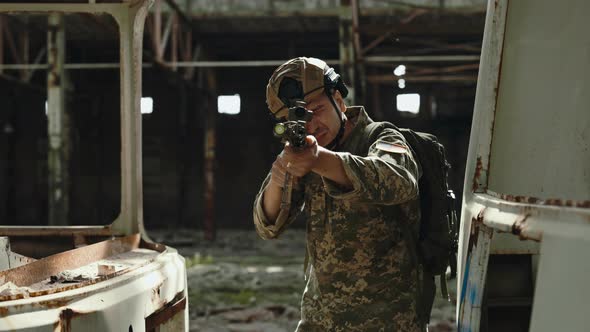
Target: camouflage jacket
361,276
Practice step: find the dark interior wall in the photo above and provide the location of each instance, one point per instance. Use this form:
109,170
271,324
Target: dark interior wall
94,157
445,111
23,128
173,139
173,145
95,162
246,147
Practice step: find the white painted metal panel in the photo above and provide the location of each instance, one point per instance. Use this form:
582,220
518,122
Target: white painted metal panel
111,305
541,142
528,169
561,298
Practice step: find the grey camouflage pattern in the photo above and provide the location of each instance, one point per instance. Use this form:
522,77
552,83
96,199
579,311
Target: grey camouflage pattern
361,275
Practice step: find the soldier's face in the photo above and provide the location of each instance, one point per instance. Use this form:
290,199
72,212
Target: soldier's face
325,122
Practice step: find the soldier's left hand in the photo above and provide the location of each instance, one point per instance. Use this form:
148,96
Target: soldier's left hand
301,161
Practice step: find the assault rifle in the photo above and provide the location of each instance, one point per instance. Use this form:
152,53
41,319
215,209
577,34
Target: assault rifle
292,131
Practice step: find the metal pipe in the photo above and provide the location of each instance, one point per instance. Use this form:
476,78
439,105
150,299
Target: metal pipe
430,78
185,19
38,58
165,37
253,63
158,30
188,64
1,42
421,58
24,48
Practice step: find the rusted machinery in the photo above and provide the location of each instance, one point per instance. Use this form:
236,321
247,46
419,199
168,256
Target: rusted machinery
87,278
525,231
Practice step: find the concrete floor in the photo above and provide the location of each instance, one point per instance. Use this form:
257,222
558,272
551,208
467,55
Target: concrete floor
241,283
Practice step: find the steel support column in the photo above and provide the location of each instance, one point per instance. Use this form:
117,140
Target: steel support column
359,64
24,49
209,219
1,42
347,63
131,25
56,119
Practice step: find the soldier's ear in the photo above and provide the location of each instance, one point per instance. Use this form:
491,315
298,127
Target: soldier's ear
339,100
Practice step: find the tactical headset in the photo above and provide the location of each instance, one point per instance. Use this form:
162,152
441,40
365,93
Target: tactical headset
291,90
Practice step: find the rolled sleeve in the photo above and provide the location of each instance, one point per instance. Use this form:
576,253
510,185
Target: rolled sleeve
384,176
264,227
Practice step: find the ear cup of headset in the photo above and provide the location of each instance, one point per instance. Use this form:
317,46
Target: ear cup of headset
342,88
332,80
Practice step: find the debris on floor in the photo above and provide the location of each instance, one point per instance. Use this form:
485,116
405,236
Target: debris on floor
241,283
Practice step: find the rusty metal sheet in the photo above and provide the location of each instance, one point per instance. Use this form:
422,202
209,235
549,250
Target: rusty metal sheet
56,231
174,307
44,268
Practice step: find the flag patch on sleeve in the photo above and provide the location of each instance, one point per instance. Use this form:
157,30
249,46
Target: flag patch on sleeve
391,147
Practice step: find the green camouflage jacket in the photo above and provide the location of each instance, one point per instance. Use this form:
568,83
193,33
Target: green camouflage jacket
361,276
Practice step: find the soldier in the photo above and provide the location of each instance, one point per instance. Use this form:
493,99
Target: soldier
356,195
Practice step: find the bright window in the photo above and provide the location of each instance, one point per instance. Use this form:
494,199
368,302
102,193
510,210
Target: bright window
147,105
401,83
228,104
409,102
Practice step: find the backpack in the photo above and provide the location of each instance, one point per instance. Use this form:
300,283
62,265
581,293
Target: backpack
436,246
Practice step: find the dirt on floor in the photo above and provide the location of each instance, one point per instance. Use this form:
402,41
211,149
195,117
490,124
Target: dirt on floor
241,283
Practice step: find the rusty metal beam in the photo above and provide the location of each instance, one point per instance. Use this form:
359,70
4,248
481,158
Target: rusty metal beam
157,30
44,268
174,43
370,60
56,231
173,308
210,146
442,45
37,60
185,64
190,71
1,43
184,19
359,65
346,50
24,51
166,36
377,41
354,6
421,58
11,43
389,78
445,70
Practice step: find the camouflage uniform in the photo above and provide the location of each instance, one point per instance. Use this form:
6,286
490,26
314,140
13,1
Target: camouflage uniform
361,276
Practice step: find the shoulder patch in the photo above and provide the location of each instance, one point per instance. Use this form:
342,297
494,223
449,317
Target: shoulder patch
391,147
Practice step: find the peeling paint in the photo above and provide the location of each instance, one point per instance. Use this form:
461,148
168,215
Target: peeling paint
476,222
477,181
65,320
518,226
176,306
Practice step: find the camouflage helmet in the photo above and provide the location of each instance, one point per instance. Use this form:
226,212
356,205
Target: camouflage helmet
313,75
